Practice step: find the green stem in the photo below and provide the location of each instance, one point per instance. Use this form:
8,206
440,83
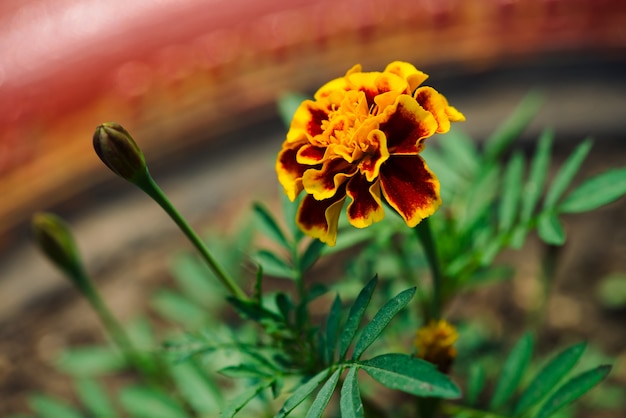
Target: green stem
142,364
424,234
149,186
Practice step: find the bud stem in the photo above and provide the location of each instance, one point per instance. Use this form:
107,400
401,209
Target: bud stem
149,186
425,236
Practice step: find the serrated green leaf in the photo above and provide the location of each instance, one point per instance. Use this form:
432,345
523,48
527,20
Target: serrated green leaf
274,265
302,393
548,378
513,126
48,407
550,229
595,192
269,226
288,103
572,390
177,308
311,254
95,399
243,370
240,401
350,403
253,311
481,195
382,318
196,388
475,383
90,361
411,375
511,192
149,402
332,329
512,371
538,174
284,305
355,316
195,279
323,396
566,174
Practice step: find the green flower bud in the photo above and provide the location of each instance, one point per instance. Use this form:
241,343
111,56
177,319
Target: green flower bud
117,149
56,241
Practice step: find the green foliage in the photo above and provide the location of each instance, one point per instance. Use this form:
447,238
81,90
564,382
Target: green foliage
296,344
542,395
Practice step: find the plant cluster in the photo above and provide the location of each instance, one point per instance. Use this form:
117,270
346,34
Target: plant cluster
383,345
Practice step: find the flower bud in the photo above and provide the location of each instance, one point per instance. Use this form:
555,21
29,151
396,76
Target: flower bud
55,240
117,149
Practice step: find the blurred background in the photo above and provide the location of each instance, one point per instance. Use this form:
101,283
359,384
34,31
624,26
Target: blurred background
196,82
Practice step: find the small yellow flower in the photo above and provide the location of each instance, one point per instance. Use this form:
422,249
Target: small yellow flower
360,138
435,344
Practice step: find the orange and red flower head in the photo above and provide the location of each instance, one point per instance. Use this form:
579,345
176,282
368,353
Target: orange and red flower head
360,138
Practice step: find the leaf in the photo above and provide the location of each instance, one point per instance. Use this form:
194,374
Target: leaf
460,151
550,229
48,407
511,192
533,187
475,383
178,308
311,254
566,174
274,265
350,402
269,226
240,401
355,316
243,370
145,402
513,126
323,396
538,173
573,389
90,361
93,396
332,329
196,387
302,393
595,192
253,311
549,376
411,375
512,371
195,279
382,318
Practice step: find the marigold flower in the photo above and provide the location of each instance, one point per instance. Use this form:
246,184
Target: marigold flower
435,344
360,138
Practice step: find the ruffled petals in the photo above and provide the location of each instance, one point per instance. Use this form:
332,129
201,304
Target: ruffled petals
289,170
407,72
307,121
366,207
320,218
323,183
410,188
405,124
438,106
